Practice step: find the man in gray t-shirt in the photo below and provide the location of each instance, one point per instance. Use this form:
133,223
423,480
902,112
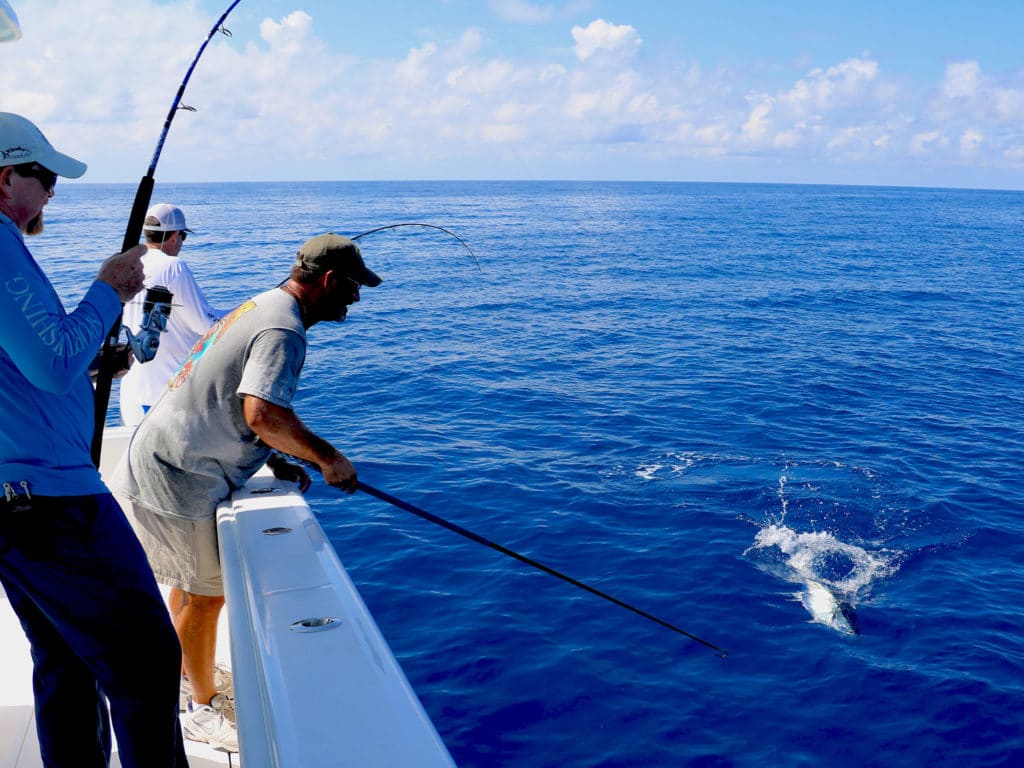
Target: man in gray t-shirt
227,406
200,429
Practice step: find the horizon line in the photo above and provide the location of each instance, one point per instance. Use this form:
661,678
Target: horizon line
79,182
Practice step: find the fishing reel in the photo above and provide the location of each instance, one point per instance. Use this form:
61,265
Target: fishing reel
156,309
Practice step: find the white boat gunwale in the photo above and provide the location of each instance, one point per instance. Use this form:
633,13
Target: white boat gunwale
310,643
307,692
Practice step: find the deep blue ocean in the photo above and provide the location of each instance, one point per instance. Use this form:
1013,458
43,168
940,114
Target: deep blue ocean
699,398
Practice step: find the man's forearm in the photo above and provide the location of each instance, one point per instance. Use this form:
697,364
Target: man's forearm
283,430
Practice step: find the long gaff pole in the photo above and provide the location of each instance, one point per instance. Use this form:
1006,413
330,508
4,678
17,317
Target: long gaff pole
132,233
530,562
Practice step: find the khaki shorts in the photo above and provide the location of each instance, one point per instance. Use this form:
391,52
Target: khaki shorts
182,553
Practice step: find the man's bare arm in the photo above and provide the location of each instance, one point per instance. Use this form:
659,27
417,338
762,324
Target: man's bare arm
283,430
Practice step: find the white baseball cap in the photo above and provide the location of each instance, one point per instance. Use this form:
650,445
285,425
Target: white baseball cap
21,142
9,29
164,217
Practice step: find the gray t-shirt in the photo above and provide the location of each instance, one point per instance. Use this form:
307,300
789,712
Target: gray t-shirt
195,447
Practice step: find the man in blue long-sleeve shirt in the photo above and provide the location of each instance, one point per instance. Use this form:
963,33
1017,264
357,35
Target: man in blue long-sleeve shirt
69,562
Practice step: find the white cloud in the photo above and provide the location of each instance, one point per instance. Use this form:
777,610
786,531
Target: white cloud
967,91
717,136
291,36
499,133
521,12
415,69
600,35
970,142
580,105
758,125
788,139
284,88
835,111
823,89
859,141
552,73
490,79
986,111
962,80
511,112
929,141
1009,104
471,42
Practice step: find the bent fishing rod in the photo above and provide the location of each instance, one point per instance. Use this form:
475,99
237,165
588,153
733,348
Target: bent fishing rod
108,361
420,224
405,506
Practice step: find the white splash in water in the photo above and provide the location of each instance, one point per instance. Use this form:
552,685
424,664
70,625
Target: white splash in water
648,472
666,465
819,556
833,574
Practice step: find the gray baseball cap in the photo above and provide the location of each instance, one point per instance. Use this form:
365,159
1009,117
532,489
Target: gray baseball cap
332,251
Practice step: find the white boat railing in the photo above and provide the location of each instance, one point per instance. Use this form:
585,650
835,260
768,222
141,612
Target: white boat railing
315,682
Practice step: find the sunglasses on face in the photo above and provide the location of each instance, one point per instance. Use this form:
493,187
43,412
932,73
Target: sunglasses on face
45,176
183,234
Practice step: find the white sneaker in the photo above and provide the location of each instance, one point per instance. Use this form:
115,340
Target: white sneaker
225,703
207,724
222,682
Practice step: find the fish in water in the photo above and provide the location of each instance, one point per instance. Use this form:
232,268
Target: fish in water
827,609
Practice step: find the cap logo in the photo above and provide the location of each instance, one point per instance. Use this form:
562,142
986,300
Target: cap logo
15,153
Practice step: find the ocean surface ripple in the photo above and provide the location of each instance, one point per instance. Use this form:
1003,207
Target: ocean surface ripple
700,398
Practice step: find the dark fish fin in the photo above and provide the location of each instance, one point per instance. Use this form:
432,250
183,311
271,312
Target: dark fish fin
850,615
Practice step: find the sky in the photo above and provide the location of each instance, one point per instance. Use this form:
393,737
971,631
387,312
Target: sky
894,93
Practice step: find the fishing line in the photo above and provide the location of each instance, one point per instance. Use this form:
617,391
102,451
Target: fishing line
132,234
418,224
721,653
408,224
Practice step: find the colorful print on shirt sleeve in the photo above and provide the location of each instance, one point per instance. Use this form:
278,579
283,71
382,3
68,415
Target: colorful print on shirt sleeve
206,341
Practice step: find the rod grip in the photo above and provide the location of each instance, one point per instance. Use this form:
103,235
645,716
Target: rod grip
133,232
108,363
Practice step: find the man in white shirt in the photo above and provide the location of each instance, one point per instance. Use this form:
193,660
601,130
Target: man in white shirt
191,314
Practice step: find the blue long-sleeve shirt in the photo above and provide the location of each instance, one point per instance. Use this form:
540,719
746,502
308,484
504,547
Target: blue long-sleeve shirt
46,397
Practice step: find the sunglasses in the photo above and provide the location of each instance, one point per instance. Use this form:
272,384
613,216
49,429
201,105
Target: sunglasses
356,285
45,176
183,234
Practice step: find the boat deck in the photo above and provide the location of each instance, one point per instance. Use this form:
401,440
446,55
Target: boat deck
19,747
315,682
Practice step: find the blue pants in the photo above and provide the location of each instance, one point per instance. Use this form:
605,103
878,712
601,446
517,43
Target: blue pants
100,633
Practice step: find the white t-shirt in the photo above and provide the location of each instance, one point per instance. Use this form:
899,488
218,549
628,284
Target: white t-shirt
191,316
